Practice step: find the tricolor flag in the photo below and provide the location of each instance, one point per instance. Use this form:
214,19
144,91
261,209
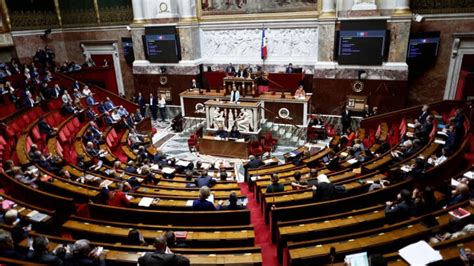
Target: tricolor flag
264,49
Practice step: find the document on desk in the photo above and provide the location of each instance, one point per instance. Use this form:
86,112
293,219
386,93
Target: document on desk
420,253
182,163
469,174
240,140
358,259
168,170
145,202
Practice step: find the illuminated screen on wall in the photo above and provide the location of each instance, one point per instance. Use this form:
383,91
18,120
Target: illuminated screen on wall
127,45
362,42
423,47
162,45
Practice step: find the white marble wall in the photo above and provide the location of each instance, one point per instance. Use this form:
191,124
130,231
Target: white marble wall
297,45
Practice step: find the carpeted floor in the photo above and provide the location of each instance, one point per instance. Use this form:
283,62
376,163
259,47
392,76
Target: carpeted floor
263,236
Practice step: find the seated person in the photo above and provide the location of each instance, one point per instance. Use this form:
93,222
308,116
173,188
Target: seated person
424,131
459,194
425,111
90,101
194,84
117,197
92,151
83,254
162,255
232,203
403,208
135,238
204,180
41,253
275,186
27,177
45,128
130,168
108,104
300,93
298,184
122,111
234,133
7,248
20,229
221,133
171,240
202,204
325,190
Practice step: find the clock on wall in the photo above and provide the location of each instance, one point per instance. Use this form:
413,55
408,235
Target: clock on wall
163,7
167,8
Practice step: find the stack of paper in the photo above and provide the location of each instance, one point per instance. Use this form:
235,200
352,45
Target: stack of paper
168,170
420,253
145,202
358,259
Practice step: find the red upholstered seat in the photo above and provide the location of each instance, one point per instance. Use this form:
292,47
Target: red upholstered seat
255,148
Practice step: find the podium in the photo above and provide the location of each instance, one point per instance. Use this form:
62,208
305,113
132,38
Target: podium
246,86
246,116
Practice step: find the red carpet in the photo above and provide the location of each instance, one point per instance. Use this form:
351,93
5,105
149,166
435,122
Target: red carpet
263,237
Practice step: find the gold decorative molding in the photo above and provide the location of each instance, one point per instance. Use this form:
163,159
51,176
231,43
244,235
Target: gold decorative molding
58,12
97,13
6,15
402,12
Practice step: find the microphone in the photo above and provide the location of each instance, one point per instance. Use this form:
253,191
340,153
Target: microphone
332,254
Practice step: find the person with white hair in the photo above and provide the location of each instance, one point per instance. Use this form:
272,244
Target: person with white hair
18,231
83,254
202,204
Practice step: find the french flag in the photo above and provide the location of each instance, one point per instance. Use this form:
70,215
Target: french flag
264,49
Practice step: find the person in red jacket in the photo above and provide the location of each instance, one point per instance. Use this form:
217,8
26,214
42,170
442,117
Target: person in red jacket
118,198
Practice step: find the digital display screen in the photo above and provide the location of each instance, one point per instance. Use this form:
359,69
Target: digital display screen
362,42
127,45
423,47
162,45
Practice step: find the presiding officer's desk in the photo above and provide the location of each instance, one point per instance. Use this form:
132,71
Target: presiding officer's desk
226,148
293,111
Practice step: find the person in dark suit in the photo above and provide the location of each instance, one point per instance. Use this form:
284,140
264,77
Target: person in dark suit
425,111
90,114
459,194
153,106
160,258
346,119
7,249
41,252
202,204
230,70
403,209
232,203
253,162
275,186
90,100
423,133
140,100
323,191
130,168
234,133
289,69
84,255
204,180
45,128
221,133
171,241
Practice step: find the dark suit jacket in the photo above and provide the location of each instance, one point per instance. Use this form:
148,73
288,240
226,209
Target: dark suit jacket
204,181
160,259
83,261
255,163
203,205
141,101
401,210
48,258
44,127
324,191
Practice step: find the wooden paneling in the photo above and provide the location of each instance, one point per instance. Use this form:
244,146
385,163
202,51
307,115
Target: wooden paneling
147,84
329,95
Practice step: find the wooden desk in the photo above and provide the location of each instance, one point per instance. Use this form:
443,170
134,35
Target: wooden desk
192,105
234,149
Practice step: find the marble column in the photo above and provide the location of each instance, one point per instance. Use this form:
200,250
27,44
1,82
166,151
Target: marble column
328,8
137,10
364,5
187,9
150,9
402,7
